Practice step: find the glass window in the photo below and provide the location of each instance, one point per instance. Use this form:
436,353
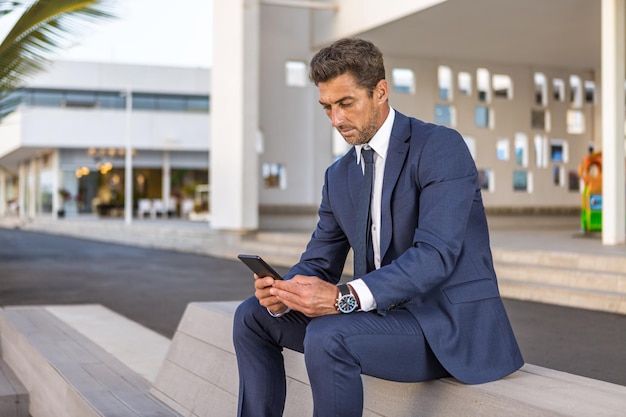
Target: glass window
444,77
106,100
557,175
483,85
48,98
465,83
502,86
444,115
200,104
573,181
111,100
481,116
144,102
80,99
590,92
575,122
274,176
558,89
172,103
520,181
576,91
46,182
10,102
521,150
502,149
403,80
538,119
558,151
541,89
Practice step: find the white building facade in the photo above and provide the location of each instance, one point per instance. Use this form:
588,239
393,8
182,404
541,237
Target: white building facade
64,138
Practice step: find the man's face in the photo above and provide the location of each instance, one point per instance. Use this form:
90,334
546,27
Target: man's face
355,114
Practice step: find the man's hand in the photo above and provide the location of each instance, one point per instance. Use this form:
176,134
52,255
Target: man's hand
311,296
262,293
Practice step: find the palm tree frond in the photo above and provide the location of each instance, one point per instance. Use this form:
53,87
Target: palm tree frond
7,7
44,27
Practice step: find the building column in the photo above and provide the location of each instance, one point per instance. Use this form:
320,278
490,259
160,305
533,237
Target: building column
32,188
234,197
128,158
613,73
166,185
57,202
3,193
21,193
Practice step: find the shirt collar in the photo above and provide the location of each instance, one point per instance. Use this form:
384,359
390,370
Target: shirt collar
380,141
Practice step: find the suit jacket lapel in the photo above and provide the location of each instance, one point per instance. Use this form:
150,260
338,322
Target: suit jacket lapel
396,156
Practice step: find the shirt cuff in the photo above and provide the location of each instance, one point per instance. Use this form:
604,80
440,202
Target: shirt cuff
366,299
279,314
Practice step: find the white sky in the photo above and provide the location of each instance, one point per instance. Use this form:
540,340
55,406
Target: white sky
155,32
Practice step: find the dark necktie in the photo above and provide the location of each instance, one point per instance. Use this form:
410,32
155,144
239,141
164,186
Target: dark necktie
363,217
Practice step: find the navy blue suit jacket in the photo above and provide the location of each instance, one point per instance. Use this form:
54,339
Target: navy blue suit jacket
435,255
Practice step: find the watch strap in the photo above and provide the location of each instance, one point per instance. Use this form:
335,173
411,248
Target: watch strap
343,289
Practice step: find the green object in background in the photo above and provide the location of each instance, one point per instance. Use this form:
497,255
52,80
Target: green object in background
591,214
590,172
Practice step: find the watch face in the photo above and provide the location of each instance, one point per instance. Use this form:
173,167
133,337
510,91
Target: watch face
347,303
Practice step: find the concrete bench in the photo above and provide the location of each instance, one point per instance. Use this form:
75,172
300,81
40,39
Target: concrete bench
13,394
67,374
199,379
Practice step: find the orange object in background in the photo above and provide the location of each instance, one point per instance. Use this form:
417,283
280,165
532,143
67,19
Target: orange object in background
590,172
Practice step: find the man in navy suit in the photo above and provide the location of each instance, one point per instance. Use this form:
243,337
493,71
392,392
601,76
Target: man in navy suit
427,306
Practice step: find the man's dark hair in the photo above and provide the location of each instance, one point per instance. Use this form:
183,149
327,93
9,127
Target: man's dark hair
355,56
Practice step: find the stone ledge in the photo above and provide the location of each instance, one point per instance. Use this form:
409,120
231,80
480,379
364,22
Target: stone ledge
199,378
13,394
68,375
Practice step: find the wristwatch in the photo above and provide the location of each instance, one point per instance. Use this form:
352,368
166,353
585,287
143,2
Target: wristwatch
346,301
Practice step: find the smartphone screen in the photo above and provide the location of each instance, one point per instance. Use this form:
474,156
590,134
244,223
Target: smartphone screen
259,266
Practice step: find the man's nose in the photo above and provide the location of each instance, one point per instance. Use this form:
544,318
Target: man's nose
336,118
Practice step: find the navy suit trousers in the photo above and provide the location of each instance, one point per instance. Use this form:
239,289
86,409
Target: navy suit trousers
337,350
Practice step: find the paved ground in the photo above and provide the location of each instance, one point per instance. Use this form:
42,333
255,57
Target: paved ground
153,287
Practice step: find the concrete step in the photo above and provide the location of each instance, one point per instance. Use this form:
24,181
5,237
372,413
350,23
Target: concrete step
67,374
13,394
563,296
292,239
568,260
569,279
582,280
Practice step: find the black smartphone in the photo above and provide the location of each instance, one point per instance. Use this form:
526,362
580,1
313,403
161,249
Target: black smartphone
259,266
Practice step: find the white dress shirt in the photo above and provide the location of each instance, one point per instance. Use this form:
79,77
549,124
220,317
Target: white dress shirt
379,143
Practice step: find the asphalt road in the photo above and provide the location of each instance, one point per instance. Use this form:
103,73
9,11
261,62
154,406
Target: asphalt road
153,287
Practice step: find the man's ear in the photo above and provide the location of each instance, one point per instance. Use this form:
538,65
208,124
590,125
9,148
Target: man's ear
381,91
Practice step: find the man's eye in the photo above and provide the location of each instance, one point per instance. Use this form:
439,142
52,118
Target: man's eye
344,104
